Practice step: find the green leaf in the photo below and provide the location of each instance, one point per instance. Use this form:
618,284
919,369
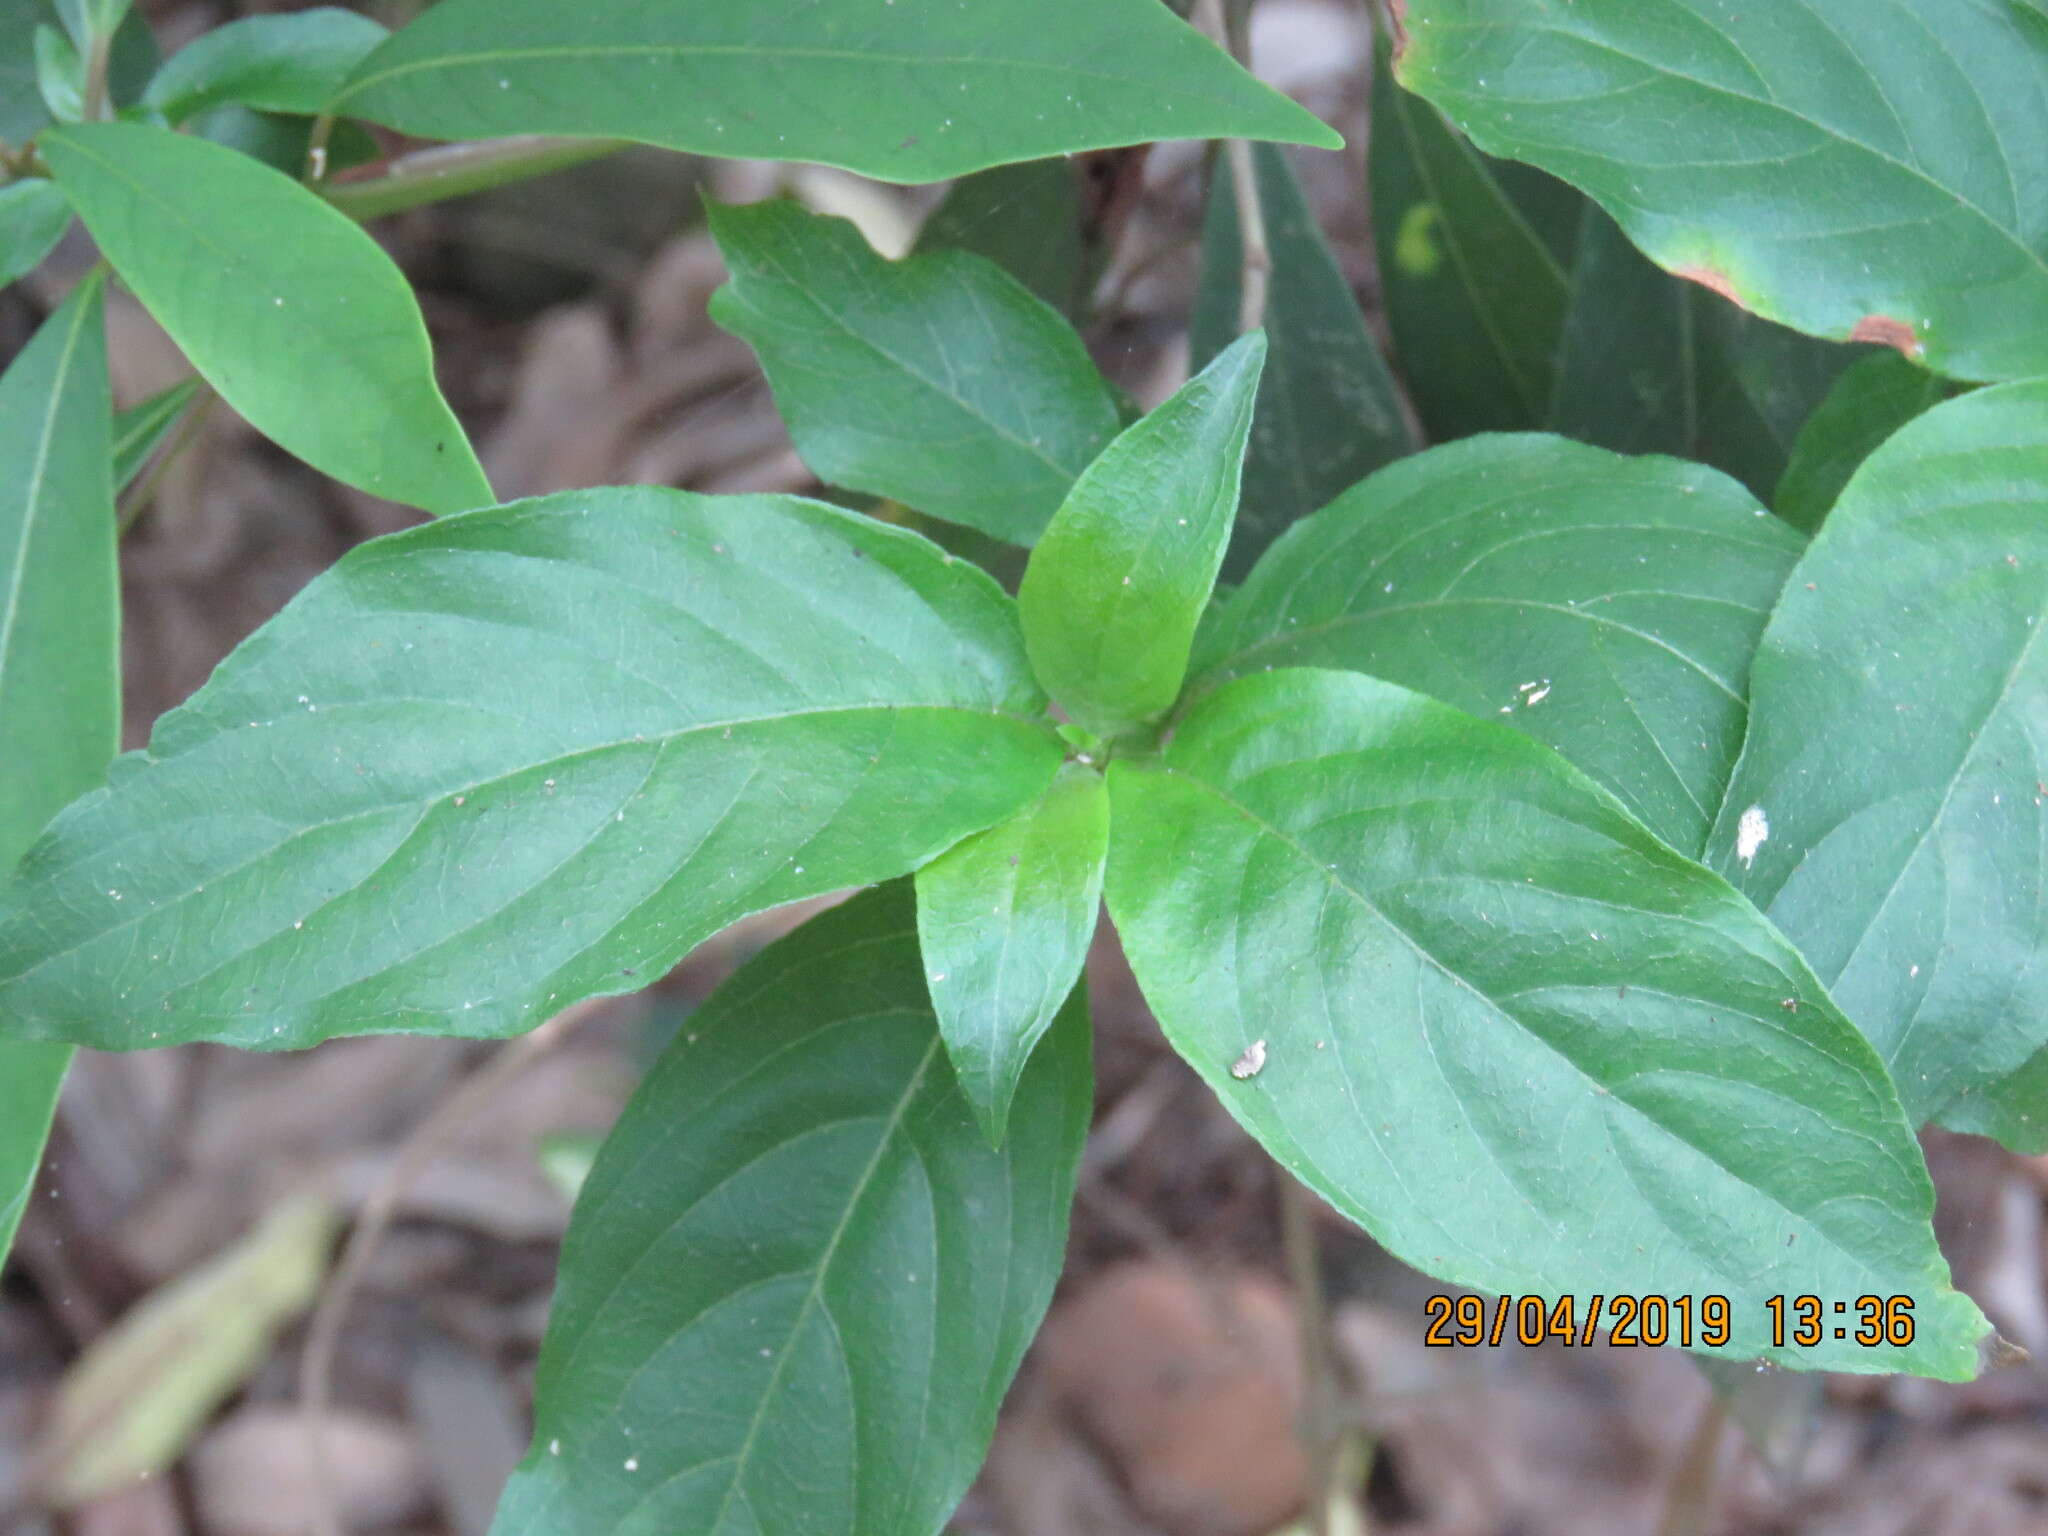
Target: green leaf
292,63
1650,363
1115,586
286,307
22,110
2013,1110
1474,298
939,381
1869,402
913,90
1897,757
487,766
60,74
798,1280
1328,412
1608,607
1459,992
33,218
60,695
139,430
1855,171
1004,919
1027,219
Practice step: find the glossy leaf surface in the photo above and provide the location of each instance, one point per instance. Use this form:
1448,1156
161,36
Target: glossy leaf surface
1113,591
1328,413
1650,363
1869,402
33,218
485,767
1004,919
799,1280
1858,171
60,694
1526,1045
1475,298
291,63
1606,606
939,380
1898,749
916,90
286,307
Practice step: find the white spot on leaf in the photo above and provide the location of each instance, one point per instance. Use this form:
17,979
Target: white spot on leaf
1751,833
1251,1063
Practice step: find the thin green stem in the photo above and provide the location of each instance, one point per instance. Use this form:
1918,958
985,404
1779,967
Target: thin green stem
1257,251
316,149
97,55
182,437
456,170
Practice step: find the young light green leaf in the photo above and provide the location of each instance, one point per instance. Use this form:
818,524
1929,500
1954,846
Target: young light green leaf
60,695
291,63
1475,298
1887,811
60,74
286,307
488,766
915,90
1004,919
1027,219
1457,990
832,1276
1650,363
1869,402
33,218
1115,586
938,380
139,430
1606,606
1328,412
1856,171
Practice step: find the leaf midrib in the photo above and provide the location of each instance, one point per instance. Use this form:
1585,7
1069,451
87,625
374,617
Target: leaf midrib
656,740
33,493
1332,878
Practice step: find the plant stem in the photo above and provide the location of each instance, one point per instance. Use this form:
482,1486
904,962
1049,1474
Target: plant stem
1318,1426
427,1141
96,58
316,149
1257,259
455,170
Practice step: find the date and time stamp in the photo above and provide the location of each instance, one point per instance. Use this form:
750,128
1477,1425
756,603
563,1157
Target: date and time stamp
1652,1321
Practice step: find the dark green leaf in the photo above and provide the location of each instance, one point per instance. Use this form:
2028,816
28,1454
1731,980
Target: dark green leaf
1897,757
280,141
488,766
1606,606
1113,590
1856,171
2014,1109
913,90
1475,299
291,63
33,218
1650,363
938,380
1457,990
1869,402
1004,919
141,428
1026,218
798,1280
1328,413
286,307
60,695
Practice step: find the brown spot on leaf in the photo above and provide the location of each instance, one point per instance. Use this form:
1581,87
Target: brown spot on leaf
1397,20
1712,278
1886,331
